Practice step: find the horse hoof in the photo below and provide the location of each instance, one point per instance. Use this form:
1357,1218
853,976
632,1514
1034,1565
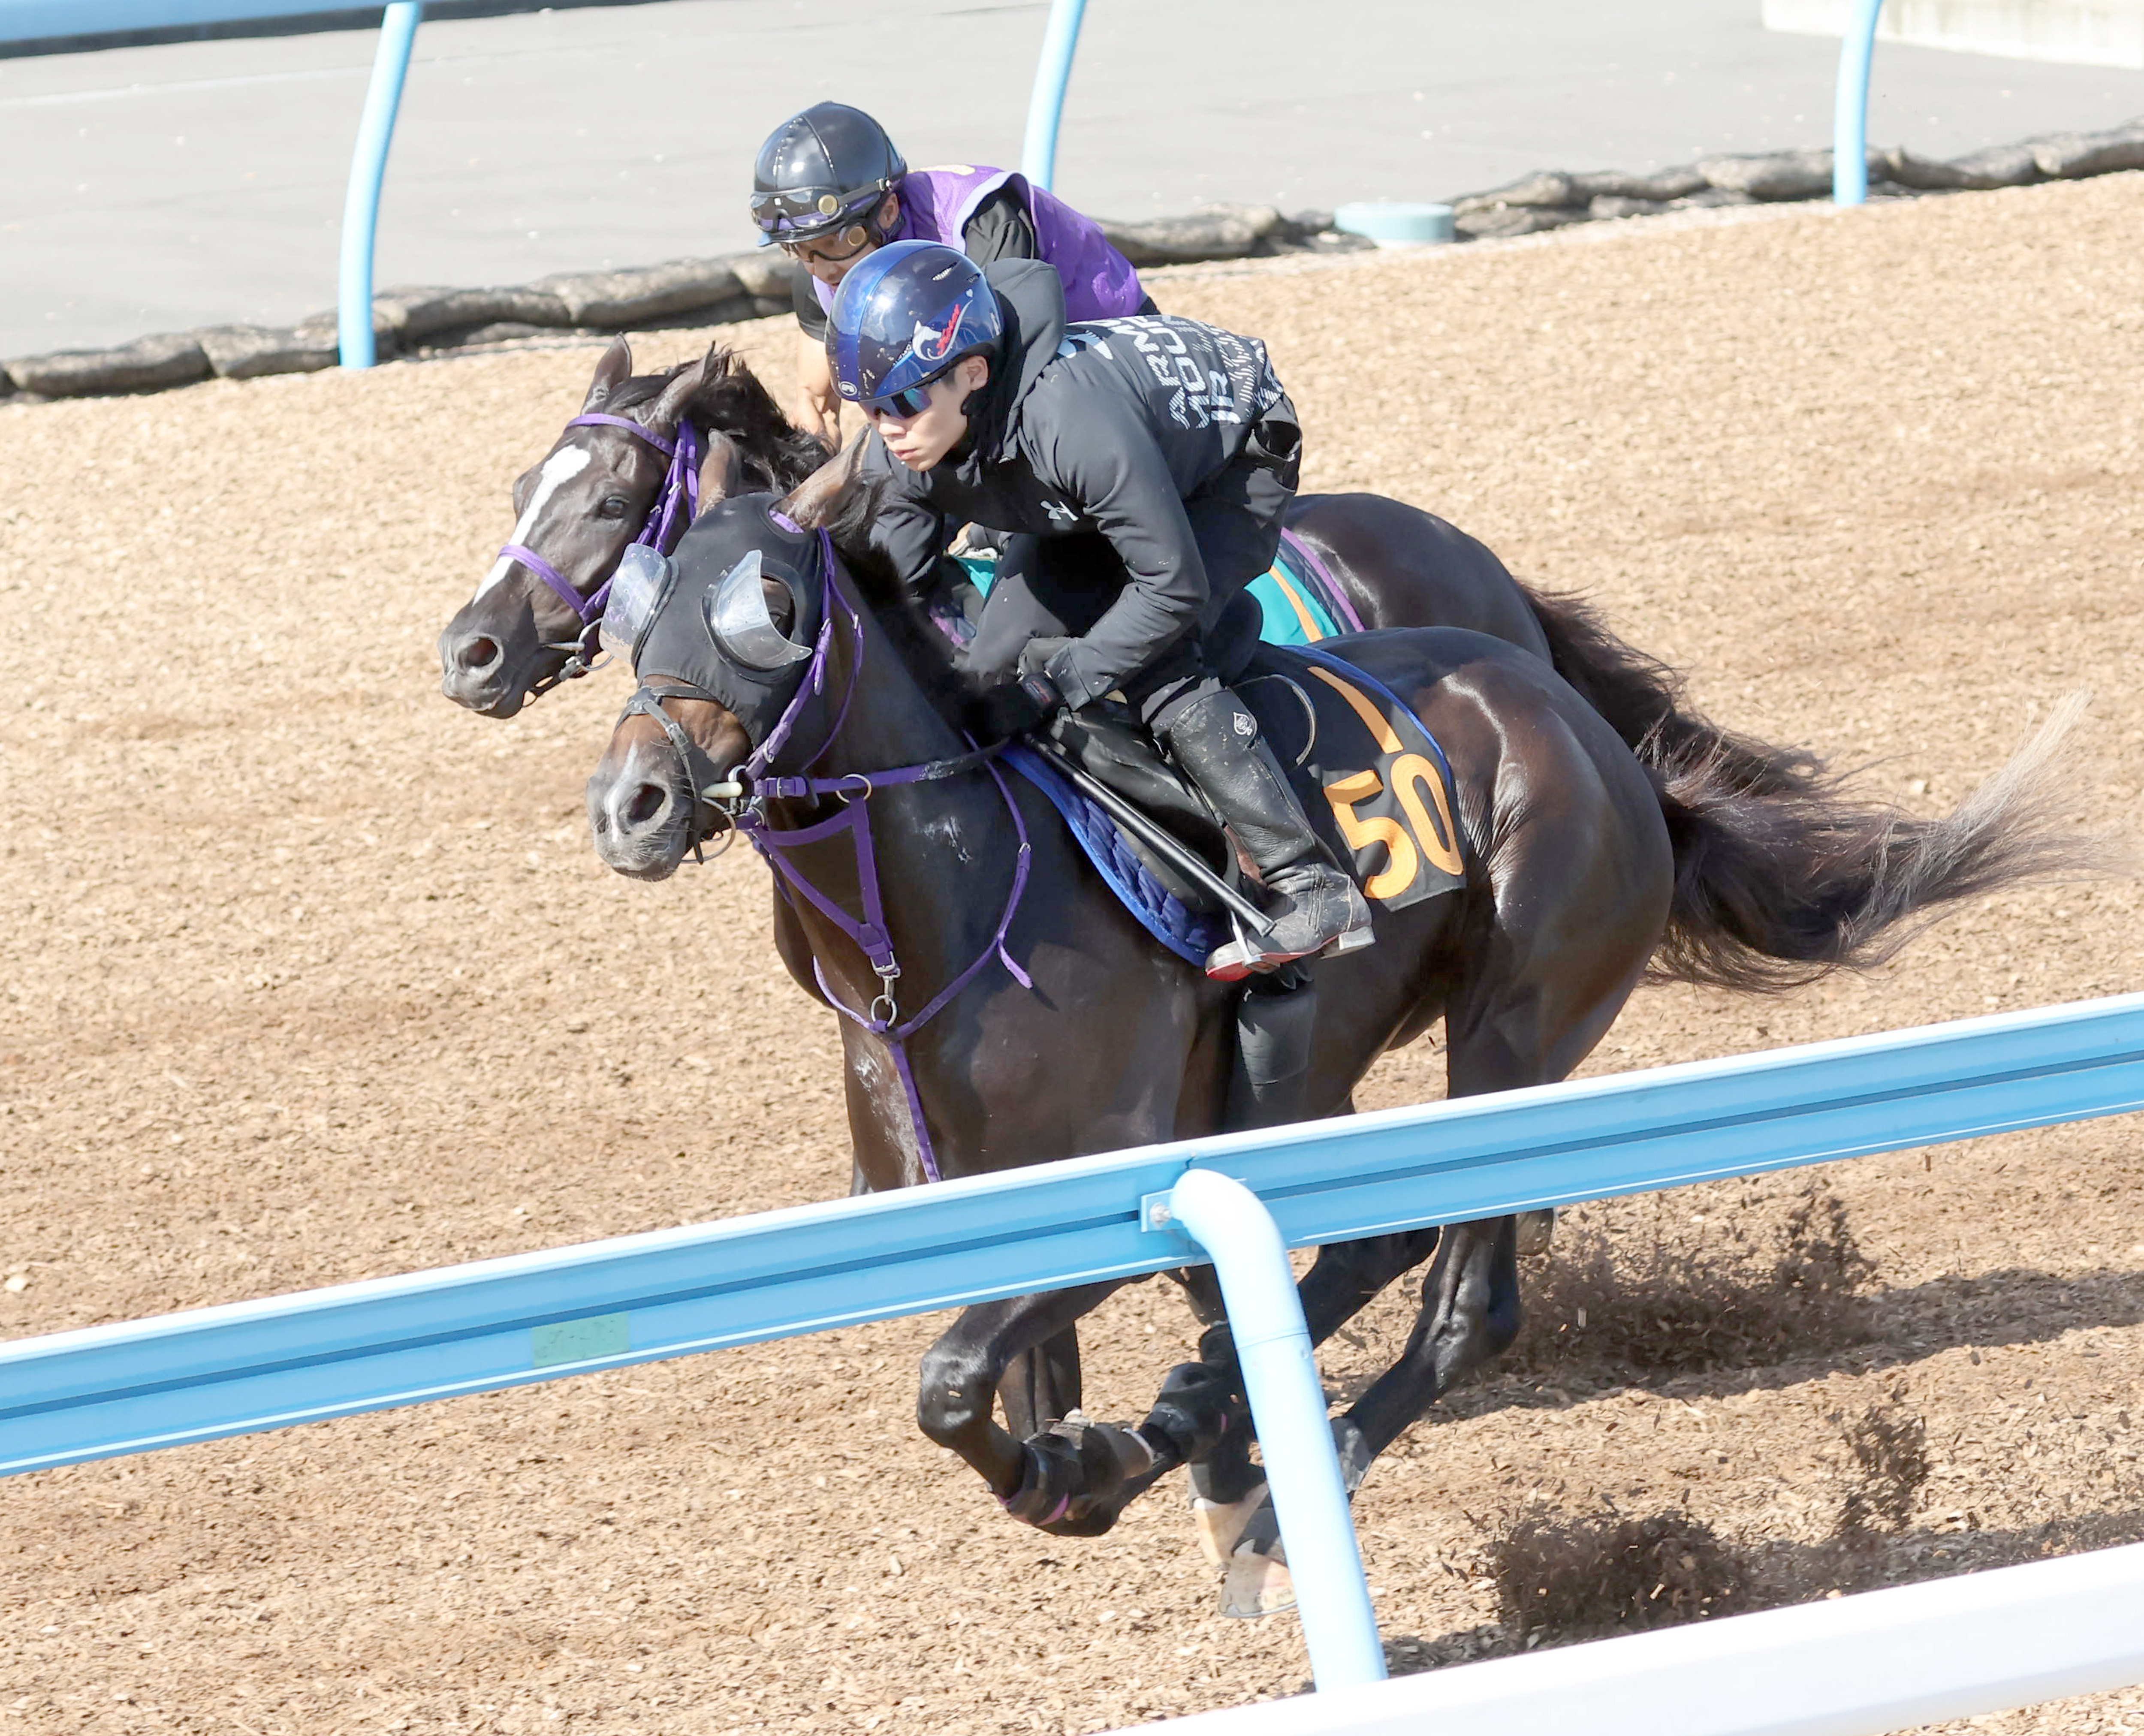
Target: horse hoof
1536,1229
1220,1523
1257,1585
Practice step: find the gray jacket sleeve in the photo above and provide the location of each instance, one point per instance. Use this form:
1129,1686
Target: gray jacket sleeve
910,532
1104,458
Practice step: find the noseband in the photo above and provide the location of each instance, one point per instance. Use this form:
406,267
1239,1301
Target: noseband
741,796
668,519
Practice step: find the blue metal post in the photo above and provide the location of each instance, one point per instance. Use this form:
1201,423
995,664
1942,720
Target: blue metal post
1288,1402
1046,105
368,168
1850,115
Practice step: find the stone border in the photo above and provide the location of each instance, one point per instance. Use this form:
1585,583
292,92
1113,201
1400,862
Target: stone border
425,323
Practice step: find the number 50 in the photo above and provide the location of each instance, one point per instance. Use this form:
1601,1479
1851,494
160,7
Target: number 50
1405,846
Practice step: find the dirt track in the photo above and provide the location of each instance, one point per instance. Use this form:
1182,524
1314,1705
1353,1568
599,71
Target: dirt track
310,976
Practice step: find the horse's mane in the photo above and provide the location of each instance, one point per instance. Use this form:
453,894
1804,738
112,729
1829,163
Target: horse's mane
846,517
733,401
637,390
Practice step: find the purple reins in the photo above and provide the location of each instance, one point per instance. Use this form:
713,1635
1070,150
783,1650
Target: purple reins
681,488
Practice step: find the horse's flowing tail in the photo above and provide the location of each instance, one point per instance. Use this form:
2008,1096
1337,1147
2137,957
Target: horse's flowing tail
1780,876
1774,889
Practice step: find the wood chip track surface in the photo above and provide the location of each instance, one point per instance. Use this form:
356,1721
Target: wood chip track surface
308,976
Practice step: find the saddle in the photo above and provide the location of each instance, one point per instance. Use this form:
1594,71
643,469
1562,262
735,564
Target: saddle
1372,779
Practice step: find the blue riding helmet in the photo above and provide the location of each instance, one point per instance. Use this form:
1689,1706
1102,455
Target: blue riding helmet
905,316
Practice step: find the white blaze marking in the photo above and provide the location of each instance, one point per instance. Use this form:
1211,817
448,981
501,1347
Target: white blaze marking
563,465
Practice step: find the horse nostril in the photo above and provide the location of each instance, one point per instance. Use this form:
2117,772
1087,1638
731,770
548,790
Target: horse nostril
477,653
644,804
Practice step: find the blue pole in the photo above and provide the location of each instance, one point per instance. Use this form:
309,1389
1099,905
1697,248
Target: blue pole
368,168
1287,1402
1850,115
1046,105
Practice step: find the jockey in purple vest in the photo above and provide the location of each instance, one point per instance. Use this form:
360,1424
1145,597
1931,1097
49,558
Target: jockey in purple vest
829,189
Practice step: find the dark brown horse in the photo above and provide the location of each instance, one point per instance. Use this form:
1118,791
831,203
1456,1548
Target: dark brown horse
1065,1029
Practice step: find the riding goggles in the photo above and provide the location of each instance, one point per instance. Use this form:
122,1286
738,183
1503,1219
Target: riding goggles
906,404
856,236
810,209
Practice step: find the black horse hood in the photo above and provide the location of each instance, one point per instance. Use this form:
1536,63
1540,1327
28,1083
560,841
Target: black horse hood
736,616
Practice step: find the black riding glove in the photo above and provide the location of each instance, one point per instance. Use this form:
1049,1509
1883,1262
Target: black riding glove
1024,705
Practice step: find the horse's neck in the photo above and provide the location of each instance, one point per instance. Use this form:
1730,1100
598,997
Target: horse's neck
942,851
890,721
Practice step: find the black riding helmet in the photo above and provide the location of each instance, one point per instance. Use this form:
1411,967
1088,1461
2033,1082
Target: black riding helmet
825,169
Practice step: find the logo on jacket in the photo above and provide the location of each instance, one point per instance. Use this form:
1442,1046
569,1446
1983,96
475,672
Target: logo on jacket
934,345
1061,513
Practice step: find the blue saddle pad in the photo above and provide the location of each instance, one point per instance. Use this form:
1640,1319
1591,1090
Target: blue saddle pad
1188,933
1373,780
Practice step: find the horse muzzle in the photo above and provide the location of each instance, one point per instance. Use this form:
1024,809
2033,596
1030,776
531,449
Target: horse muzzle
641,817
490,667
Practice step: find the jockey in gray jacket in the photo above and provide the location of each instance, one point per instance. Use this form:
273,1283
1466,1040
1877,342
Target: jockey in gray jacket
1144,464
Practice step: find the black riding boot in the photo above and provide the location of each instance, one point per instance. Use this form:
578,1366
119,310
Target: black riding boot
1316,908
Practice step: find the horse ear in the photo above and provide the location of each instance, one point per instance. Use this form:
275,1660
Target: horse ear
669,407
815,501
721,471
612,372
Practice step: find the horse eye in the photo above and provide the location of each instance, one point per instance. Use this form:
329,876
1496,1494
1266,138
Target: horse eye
615,506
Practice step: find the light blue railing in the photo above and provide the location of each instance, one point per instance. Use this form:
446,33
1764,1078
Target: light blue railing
262,1365
368,170
1849,126
30,20
1849,113
1045,103
22,21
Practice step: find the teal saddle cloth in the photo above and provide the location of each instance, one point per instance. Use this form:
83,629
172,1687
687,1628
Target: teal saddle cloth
1300,600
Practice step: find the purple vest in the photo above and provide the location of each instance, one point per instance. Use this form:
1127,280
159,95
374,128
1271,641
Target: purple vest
936,204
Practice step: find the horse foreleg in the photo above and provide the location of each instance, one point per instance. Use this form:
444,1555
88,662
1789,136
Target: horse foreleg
1062,1478
1041,1385
1227,1489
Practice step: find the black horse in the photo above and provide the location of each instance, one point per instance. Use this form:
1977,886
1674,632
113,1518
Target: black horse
1065,1028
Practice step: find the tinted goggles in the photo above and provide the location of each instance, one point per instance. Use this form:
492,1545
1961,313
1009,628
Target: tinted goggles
815,246
905,404
810,208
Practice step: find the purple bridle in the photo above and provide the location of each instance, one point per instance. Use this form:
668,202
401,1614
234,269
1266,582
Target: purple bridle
668,519
751,786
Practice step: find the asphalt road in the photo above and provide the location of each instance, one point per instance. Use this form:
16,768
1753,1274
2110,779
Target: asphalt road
151,189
